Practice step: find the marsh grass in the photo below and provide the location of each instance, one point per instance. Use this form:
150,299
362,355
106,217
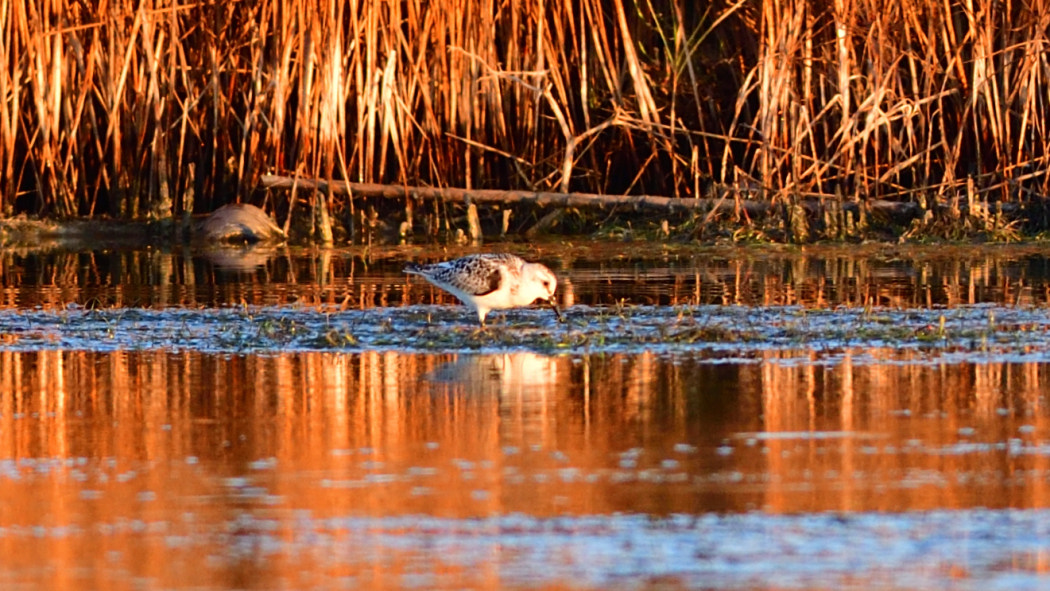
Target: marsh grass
110,108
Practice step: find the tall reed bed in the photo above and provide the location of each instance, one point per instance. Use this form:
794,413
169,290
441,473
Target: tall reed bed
130,108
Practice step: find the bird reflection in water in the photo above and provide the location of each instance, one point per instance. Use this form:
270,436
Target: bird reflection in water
518,375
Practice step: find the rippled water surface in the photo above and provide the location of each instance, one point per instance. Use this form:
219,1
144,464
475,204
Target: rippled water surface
707,418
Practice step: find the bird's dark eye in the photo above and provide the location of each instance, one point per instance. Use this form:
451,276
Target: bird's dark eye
546,284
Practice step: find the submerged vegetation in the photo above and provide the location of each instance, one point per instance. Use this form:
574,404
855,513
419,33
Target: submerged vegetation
724,332
922,118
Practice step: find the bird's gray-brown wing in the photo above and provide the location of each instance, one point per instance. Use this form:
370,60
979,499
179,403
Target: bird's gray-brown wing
490,283
475,275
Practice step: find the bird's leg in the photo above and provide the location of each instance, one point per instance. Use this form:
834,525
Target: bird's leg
481,331
482,327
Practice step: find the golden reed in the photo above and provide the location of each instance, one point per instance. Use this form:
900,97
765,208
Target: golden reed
104,106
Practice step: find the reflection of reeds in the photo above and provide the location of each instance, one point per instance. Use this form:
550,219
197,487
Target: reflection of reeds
928,417
345,419
104,111
125,278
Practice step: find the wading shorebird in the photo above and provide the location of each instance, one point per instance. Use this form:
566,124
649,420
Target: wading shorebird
492,281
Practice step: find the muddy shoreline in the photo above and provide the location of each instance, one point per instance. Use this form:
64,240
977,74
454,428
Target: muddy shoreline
26,233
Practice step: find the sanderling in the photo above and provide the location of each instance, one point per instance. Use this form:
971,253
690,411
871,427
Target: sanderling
491,281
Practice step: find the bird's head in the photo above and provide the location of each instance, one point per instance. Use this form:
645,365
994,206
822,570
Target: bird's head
540,283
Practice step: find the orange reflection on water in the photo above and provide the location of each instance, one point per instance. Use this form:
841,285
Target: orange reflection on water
229,470
906,437
589,273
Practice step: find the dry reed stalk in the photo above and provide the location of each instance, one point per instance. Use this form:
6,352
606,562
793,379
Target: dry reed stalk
10,102
104,111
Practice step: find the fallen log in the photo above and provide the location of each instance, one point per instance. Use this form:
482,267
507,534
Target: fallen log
751,207
506,196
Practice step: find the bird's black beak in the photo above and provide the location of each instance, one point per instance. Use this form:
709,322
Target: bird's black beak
554,306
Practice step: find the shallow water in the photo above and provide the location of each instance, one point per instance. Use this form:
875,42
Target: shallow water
706,419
